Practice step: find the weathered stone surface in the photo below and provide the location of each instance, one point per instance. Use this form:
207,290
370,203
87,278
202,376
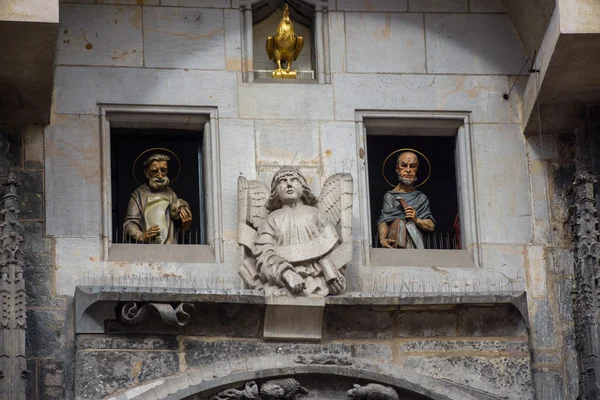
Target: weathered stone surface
337,41
77,263
38,274
301,146
51,383
563,261
439,345
509,261
33,238
100,35
128,2
472,44
487,6
233,41
308,103
80,89
196,3
539,180
129,342
385,42
549,385
46,331
184,38
537,264
438,5
102,373
73,176
543,327
32,380
505,377
201,353
426,323
33,142
372,5
490,321
504,213
481,94
15,156
355,322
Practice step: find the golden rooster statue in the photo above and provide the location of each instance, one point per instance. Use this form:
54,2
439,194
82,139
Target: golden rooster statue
284,46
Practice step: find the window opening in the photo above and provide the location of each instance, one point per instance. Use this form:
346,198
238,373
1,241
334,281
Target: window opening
186,181
440,188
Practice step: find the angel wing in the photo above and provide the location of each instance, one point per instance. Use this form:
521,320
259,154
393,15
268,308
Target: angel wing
335,201
270,46
298,47
252,197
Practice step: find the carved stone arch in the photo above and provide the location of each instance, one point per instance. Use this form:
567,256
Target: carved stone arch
309,13
211,379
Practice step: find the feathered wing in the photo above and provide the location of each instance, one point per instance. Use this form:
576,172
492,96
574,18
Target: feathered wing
298,47
270,46
335,201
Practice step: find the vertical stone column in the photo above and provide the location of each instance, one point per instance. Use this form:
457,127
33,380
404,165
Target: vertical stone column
319,50
587,269
13,363
248,42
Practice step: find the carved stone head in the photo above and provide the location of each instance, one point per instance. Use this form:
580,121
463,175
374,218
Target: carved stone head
288,185
407,167
156,169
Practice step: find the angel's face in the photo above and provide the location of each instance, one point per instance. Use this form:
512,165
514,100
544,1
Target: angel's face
289,189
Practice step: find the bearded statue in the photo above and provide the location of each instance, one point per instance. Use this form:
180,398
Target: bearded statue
154,206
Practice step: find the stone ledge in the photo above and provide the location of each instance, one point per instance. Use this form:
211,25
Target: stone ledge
95,305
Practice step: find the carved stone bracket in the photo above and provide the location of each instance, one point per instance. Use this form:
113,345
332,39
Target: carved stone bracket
133,314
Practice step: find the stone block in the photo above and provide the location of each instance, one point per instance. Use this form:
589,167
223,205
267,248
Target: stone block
79,90
544,148
536,266
77,262
34,240
238,158
357,322
129,342
285,143
130,2
372,5
435,6
101,373
51,384
31,380
33,142
549,385
39,281
488,321
501,166
480,94
46,332
73,176
14,136
487,6
337,42
233,40
565,300
385,42
100,35
478,44
538,171
426,323
184,38
197,3
30,194
542,321
563,261
286,101
504,377
462,345
293,318
506,260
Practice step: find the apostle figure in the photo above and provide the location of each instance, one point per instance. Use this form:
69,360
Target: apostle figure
295,242
153,206
405,212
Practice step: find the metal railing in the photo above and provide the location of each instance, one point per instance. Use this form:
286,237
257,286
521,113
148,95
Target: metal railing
187,237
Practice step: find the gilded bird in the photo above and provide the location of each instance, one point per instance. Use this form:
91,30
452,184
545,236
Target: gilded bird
285,45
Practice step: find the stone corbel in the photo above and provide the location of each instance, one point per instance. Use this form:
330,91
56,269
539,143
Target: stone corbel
133,314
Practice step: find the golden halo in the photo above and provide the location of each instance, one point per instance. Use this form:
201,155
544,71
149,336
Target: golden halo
398,151
156,149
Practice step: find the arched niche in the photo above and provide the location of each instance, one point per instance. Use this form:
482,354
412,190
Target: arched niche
260,19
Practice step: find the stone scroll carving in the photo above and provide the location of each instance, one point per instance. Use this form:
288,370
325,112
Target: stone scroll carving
133,314
295,243
324,359
372,391
279,389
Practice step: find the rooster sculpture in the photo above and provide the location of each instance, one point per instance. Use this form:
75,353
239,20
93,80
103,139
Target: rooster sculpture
284,46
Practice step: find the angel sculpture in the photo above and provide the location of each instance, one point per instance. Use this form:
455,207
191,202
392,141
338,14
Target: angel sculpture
294,243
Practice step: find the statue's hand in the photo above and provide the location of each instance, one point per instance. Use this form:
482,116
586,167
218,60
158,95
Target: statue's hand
410,213
293,281
338,285
186,218
150,233
387,243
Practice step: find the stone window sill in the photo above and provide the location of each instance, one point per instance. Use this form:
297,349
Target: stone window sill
188,253
422,258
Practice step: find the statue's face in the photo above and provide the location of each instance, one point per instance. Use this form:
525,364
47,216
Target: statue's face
289,189
157,175
407,167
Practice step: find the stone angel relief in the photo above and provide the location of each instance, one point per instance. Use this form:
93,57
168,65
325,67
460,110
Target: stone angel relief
294,243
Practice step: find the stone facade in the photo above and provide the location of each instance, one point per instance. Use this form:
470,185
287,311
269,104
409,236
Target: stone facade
436,331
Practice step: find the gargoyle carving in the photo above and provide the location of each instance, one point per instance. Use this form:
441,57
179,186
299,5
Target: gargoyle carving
295,243
372,391
132,314
279,389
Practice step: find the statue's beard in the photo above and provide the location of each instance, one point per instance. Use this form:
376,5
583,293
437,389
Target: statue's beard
407,181
158,183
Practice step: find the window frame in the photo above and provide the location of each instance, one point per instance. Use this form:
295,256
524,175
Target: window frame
470,255
203,119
